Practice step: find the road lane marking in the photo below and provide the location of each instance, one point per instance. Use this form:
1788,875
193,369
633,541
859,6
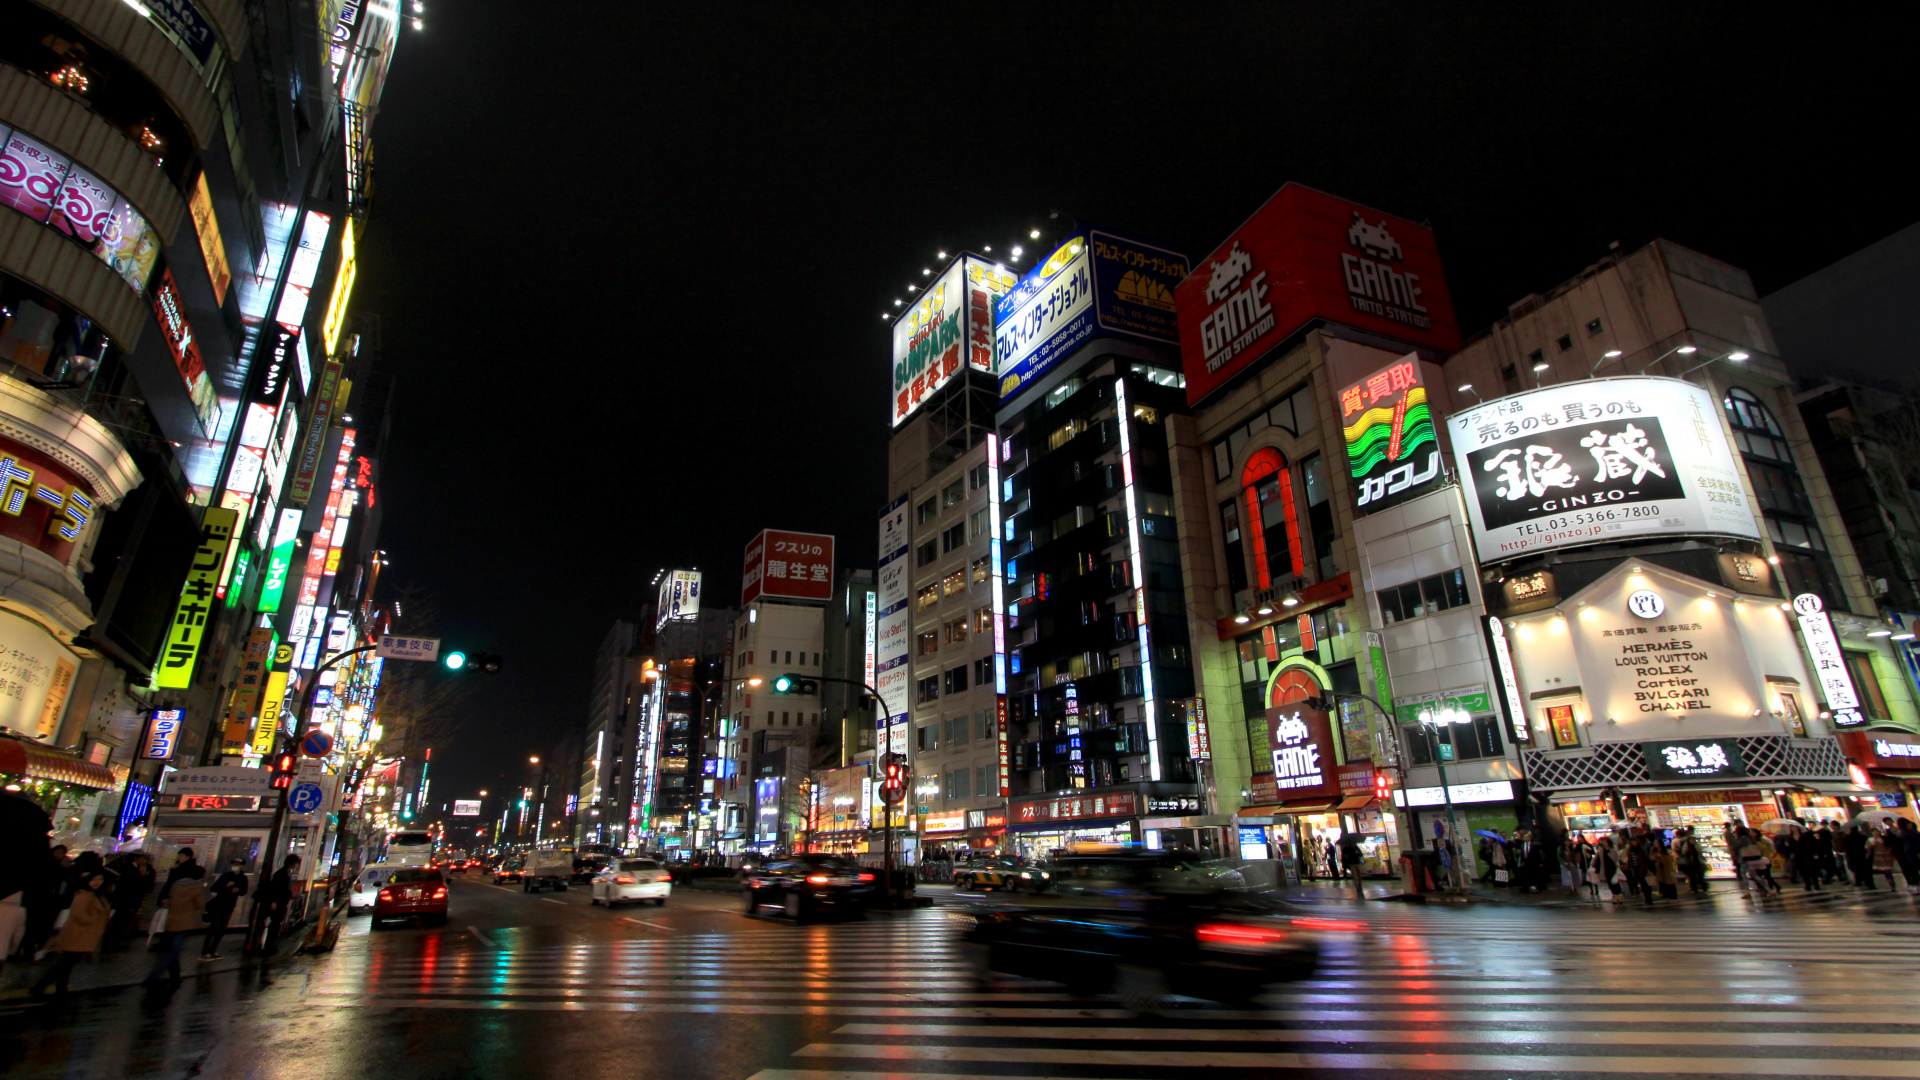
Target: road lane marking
643,922
551,900
484,939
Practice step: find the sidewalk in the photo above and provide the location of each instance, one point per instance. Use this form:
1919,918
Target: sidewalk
128,966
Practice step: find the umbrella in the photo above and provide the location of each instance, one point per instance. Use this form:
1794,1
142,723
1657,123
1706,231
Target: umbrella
1777,826
1876,819
1490,834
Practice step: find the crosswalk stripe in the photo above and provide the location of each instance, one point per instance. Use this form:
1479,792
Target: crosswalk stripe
1452,1035
1506,1063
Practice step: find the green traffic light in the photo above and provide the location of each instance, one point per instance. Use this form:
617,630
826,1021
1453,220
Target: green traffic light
455,661
783,684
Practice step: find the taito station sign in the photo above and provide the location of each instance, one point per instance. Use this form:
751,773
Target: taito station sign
1305,256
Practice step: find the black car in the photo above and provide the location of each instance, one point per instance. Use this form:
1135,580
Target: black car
1143,925
587,867
806,886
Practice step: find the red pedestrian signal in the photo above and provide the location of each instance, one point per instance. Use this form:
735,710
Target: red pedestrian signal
1382,787
893,782
285,764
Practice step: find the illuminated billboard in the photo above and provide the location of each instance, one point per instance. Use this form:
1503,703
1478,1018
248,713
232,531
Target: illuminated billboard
947,327
788,565
679,597
1393,452
466,808
1597,461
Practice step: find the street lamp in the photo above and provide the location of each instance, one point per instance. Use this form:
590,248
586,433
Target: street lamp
1432,719
1737,356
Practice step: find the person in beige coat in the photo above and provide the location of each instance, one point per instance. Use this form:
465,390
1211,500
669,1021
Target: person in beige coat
87,917
186,904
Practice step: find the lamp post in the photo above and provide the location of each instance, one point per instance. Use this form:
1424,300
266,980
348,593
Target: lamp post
1432,720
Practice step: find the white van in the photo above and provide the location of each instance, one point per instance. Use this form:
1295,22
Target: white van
409,849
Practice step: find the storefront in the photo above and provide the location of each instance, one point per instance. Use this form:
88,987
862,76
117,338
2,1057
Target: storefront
1480,806
1890,762
69,789
1043,827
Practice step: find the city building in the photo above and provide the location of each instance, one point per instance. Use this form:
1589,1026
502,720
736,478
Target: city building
603,794
1323,551
175,371
934,637
769,742
1680,619
1100,744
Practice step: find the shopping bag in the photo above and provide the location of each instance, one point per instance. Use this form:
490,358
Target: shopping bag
157,924
1500,876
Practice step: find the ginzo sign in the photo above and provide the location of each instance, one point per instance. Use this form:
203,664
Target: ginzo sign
1306,256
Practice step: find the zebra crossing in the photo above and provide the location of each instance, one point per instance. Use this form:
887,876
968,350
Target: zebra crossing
1511,993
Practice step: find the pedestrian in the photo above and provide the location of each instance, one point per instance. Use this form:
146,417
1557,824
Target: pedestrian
87,915
178,870
186,906
1640,876
1880,854
1611,871
1905,841
275,896
1859,860
226,892
1591,870
130,892
1756,857
1691,861
1666,871
1827,847
1497,868
13,925
1783,845
1350,858
46,895
1806,860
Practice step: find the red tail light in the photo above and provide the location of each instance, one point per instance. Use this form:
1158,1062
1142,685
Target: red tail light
818,879
386,894
623,880
1330,924
440,893
866,877
1240,935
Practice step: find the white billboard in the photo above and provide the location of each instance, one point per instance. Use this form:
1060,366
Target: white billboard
466,808
946,328
679,597
892,629
1594,462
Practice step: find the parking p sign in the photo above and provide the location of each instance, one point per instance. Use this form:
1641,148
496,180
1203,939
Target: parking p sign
305,798
395,647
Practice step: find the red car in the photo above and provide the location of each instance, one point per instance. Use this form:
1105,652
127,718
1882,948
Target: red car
412,892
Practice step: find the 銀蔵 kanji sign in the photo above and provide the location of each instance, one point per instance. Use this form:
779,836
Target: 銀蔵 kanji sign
1594,462
196,600
790,565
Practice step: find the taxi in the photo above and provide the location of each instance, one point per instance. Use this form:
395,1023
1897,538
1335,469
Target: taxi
999,873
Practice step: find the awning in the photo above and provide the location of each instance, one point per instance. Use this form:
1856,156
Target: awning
1837,789
1576,795
1356,802
40,763
1303,806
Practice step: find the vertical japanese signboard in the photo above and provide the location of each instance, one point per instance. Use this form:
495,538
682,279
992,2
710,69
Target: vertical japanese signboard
196,600
300,489
890,651
947,328
246,693
1829,663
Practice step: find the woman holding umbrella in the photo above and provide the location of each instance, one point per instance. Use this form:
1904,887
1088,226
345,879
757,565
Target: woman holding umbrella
1880,853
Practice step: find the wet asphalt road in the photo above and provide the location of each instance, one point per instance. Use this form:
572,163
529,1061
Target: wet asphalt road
544,986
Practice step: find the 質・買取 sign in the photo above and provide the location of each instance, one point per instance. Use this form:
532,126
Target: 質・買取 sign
1392,450
1597,461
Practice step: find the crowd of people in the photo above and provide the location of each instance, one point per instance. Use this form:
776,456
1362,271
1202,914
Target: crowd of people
1649,863
69,909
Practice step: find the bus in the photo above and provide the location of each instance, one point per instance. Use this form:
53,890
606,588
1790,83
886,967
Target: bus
409,849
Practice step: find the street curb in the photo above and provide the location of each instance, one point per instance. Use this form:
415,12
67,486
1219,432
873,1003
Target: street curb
190,967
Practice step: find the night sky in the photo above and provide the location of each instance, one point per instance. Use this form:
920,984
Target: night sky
631,264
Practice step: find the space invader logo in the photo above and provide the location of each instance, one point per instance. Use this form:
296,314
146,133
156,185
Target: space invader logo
1373,286
1241,313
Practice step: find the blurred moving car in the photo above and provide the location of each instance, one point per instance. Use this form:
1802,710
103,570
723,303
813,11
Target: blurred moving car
632,879
511,870
804,886
1147,924
547,868
366,887
1006,873
587,867
412,893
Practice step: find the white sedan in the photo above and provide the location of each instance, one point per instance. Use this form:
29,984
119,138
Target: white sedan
632,879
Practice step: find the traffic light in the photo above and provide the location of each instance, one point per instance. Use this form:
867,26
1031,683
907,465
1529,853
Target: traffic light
791,683
1323,703
1382,787
284,765
893,783
472,661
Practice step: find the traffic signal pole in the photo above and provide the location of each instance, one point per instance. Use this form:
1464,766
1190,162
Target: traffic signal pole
257,921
